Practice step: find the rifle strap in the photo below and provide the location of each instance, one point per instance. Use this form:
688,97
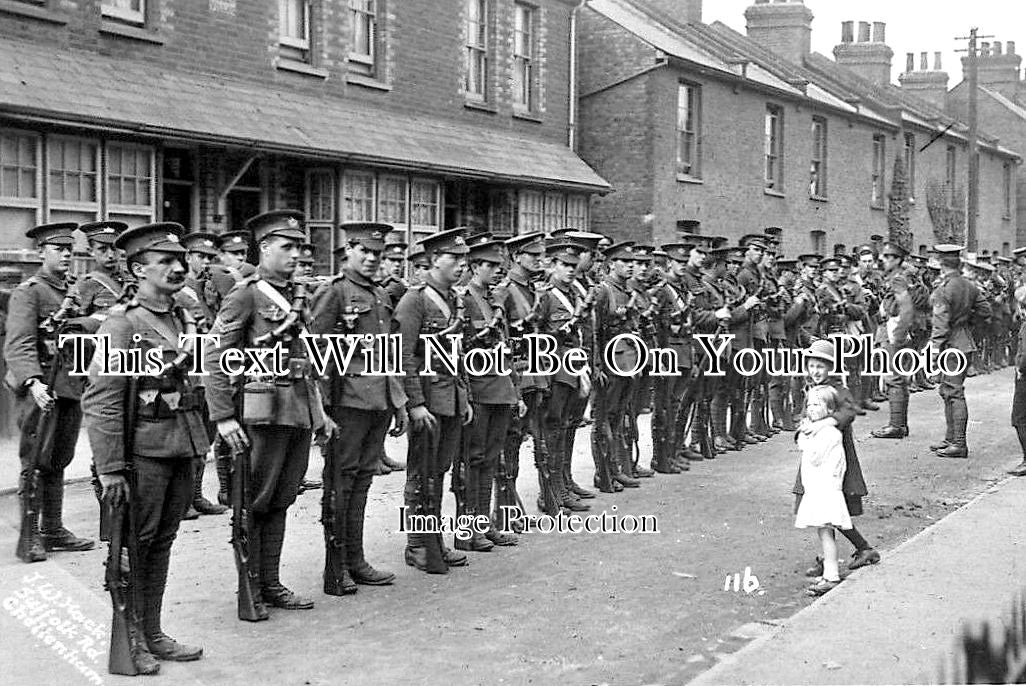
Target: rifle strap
563,300
520,299
482,304
438,301
279,300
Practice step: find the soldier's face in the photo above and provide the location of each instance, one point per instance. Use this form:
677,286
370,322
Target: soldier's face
832,274
486,273
697,259
769,260
56,258
279,255
639,269
562,272
529,261
162,272
818,370
103,254
678,268
890,262
621,268
199,263
232,259
753,254
448,268
394,267
866,263
362,260
587,260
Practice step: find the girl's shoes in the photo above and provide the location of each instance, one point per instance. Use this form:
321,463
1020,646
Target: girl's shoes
821,587
816,570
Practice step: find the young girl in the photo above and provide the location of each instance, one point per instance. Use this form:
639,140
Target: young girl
822,505
819,363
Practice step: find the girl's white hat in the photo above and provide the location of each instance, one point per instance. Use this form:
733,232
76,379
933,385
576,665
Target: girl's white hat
821,350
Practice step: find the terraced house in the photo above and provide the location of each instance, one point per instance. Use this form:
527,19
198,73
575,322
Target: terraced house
699,126
426,114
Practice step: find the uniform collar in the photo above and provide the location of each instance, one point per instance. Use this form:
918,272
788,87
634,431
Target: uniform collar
358,278
519,275
52,280
155,304
434,283
272,279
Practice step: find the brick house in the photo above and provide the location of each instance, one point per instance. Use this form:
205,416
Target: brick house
426,115
695,122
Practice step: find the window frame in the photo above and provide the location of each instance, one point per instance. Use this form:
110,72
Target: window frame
406,197
819,167
1006,190
692,136
317,223
773,149
583,202
123,208
818,238
367,61
351,173
298,44
19,201
424,229
529,60
878,176
951,172
134,17
98,173
910,162
476,55
537,210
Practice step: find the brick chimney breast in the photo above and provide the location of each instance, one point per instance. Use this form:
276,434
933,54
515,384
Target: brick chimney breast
999,68
783,26
927,84
870,57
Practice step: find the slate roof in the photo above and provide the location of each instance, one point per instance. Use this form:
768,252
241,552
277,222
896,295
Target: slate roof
87,88
1005,102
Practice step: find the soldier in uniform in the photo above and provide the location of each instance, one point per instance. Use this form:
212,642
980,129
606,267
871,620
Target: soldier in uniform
168,432
100,289
234,247
870,279
438,405
643,284
420,265
776,301
957,305
393,261
363,407
33,318
751,278
266,310
494,396
305,265
801,322
197,296
517,296
897,315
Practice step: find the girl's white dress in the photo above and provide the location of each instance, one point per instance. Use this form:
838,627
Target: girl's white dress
822,471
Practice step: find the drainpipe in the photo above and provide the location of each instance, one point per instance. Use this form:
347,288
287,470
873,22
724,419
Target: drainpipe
571,124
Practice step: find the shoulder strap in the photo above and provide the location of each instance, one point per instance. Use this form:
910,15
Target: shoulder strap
277,298
438,301
482,303
157,325
563,300
520,298
106,282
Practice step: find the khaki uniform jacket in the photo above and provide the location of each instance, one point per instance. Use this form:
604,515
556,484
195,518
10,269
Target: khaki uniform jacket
957,305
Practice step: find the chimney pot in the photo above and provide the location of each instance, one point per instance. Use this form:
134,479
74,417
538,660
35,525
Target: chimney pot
985,49
924,64
1010,47
847,31
863,32
997,48
879,32
910,62
937,62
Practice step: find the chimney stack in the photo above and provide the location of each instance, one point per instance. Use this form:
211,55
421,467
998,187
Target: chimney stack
926,84
870,57
847,32
999,67
684,11
783,26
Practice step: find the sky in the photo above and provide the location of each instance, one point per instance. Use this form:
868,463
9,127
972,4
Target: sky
912,25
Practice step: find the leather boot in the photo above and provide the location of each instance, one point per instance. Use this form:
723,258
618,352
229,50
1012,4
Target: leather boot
359,569
199,503
51,528
898,425
959,420
224,476
622,464
718,406
473,540
31,549
484,505
419,500
450,557
568,466
948,428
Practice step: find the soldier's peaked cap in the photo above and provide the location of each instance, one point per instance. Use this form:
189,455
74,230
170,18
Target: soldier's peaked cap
567,252
307,253
201,242
679,252
162,237
284,223
533,243
370,235
586,239
451,242
489,251
642,253
1019,251
893,249
949,249
810,259
753,239
773,231
620,251
419,258
234,241
103,232
54,234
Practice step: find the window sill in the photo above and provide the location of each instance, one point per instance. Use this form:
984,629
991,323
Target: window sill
115,28
367,82
287,64
773,193
527,116
480,105
687,178
32,12
819,198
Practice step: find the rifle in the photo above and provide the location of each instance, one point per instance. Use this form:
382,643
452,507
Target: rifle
434,562
241,532
550,499
334,555
126,634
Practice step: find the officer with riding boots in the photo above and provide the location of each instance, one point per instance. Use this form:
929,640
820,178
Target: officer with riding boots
871,279
494,396
280,410
643,283
199,297
957,305
152,469
561,313
47,398
896,315
778,301
614,315
754,280
362,406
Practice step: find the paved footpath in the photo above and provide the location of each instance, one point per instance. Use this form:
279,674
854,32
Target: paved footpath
898,623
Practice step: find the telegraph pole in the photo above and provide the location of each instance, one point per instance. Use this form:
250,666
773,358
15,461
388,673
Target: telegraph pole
973,210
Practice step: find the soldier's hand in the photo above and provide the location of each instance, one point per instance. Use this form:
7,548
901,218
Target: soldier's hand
751,302
468,414
233,434
41,395
422,419
723,313
521,409
324,434
399,427
115,489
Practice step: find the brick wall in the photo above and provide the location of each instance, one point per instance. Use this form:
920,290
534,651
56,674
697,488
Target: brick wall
420,67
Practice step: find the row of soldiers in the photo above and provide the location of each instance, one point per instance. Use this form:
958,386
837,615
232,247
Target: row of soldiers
581,288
